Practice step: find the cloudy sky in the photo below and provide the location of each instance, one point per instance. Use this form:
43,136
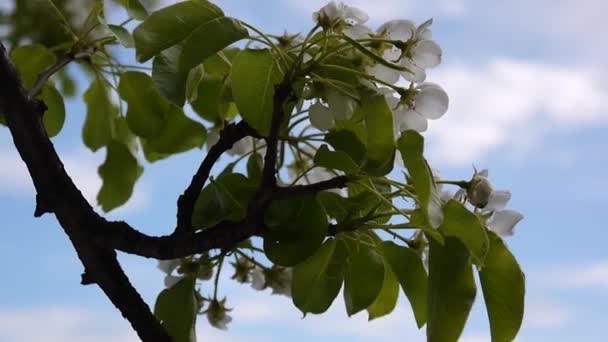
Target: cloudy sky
529,101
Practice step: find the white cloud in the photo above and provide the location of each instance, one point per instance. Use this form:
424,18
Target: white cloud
511,103
82,168
592,275
59,324
546,314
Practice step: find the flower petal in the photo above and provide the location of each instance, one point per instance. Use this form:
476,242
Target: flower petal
414,73
498,201
320,117
341,106
427,54
172,280
409,119
355,13
424,28
384,73
168,266
358,32
397,29
258,281
431,102
503,222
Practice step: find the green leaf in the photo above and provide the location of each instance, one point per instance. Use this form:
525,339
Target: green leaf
54,117
318,279
179,134
92,19
122,34
347,141
136,10
190,23
363,276
146,107
31,61
194,78
296,229
101,112
451,290
226,198
462,224
411,146
176,309
336,160
255,164
387,298
504,287
254,76
408,268
169,77
379,127
118,173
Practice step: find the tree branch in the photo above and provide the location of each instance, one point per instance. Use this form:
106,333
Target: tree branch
301,190
185,204
60,195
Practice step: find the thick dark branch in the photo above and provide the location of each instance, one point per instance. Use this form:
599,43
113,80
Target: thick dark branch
301,190
282,95
59,194
185,204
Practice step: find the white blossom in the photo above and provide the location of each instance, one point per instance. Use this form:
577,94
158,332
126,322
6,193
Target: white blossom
336,14
483,196
258,280
427,101
168,266
418,50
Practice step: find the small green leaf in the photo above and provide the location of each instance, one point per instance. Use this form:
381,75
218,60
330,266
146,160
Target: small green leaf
254,76
408,268
123,35
208,104
54,117
136,10
504,286
92,19
194,78
169,77
380,142
118,173
179,134
318,279
255,164
101,112
296,229
190,23
387,298
462,224
226,198
176,309
336,160
451,290
146,107
363,276
31,61
347,141
411,146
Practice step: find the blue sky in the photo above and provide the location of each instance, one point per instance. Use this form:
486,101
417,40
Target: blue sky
529,101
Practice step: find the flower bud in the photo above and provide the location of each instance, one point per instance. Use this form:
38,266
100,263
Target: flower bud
479,191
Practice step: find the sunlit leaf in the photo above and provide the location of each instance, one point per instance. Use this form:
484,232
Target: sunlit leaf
407,267
101,112
451,290
255,73
318,279
504,287
296,229
119,172
176,309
